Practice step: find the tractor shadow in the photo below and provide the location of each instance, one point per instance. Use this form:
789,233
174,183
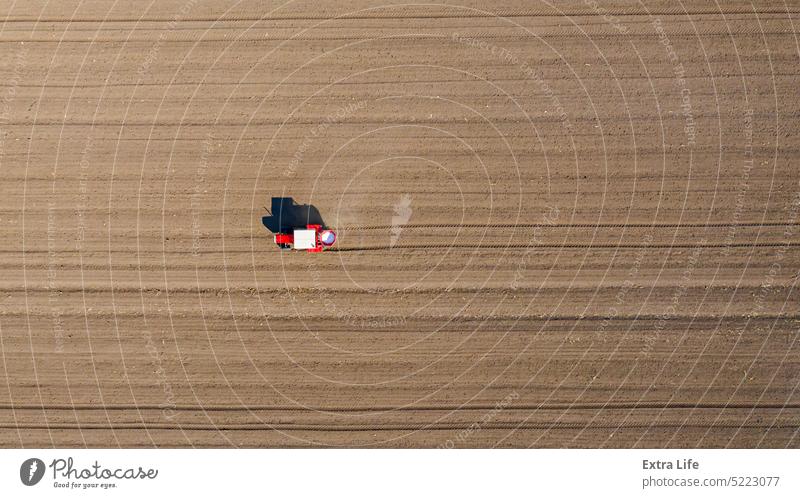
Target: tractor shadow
285,214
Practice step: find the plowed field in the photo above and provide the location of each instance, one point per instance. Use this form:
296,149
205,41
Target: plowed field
561,224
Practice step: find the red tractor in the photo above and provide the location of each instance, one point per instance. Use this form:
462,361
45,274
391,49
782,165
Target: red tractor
312,238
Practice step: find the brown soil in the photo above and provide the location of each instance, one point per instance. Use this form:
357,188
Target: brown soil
559,226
